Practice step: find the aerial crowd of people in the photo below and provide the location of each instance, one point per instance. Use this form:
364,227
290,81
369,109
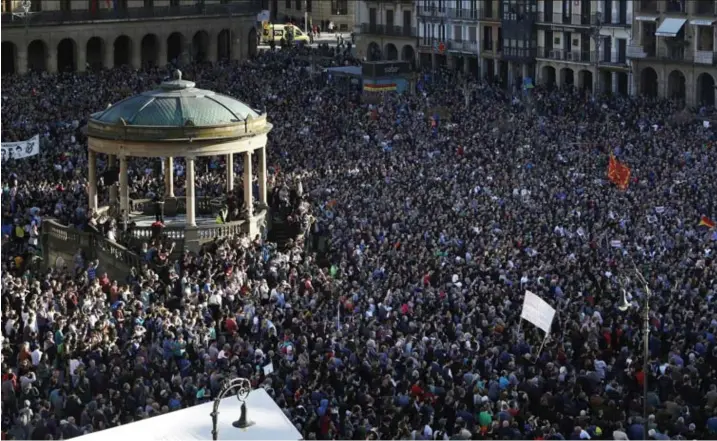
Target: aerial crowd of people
439,208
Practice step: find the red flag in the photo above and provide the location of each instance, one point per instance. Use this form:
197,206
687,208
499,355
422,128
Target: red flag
618,173
707,222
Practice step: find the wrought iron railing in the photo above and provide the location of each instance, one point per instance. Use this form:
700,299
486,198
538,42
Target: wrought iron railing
394,31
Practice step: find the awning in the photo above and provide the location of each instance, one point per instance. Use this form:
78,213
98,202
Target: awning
379,87
646,18
702,22
670,27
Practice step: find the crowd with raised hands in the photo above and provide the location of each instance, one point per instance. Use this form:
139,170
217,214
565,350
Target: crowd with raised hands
435,211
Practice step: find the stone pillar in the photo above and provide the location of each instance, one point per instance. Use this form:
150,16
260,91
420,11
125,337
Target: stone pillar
451,61
124,188
434,61
511,75
248,196
109,61
81,58
21,66
524,71
262,176
191,216
112,165
613,81
466,64
169,177
496,67
230,172
51,60
136,54
162,50
92,178
212,48
236,44
483,67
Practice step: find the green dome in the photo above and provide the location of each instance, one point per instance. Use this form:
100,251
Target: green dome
177,103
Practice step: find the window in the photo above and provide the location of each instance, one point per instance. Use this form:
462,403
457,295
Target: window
308,6
173,2
340,7
149,4
287,4
65,5
297,3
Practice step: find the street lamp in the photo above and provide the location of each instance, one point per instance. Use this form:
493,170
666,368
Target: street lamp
243,388
623,306
595,34
26,6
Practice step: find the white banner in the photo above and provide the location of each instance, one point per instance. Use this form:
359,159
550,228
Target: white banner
537,311
21,149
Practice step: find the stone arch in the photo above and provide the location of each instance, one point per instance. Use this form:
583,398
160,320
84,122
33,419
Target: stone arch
391,52
252,43
567,77
9,57
95,53
648,82
149,47
408,53
676,85
585,80
200,46
373,51
37,55
548,76
705,90
67,55
224,44
175,46
122,51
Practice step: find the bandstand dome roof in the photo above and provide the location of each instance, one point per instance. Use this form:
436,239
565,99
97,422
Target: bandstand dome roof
175,104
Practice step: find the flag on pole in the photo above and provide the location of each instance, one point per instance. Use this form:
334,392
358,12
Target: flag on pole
707,222
618,173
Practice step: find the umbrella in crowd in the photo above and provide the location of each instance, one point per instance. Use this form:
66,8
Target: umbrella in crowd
396,311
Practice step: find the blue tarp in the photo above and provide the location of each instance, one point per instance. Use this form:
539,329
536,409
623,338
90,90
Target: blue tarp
352,71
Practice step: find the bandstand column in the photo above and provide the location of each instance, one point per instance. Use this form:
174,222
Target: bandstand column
230,172
191,216
124,188
262,176
112,165
248,197
169,177
92,178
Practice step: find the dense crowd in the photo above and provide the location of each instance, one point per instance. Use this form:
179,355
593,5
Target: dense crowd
438,210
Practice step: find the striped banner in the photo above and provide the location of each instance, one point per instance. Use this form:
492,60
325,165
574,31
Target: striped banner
379,87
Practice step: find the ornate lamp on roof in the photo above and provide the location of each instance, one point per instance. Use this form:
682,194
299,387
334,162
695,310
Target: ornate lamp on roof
243,388
26,5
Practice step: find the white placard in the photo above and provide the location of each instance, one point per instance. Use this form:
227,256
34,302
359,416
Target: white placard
21,149
269,369
537,311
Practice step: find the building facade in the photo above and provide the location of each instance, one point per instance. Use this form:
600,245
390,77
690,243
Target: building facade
319,12
520,39
73,35
674,49
449,34
584,44
387,30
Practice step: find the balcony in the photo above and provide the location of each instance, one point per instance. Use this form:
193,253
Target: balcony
676,8
569,56
616,59
50,18
487,46
432,11
462,14
387,30
705,8
707,58
646,7
519,53
463,46
488,14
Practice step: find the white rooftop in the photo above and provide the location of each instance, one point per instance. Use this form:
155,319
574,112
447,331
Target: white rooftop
270,423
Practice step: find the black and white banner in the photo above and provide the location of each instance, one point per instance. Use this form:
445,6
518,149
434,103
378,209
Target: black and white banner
21,149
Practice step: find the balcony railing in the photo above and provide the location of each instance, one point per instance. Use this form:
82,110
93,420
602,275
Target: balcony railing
676,8
618,59
463,46
463,13
525,17
705,8
646,7
564,55
392,31
708,58
132,14
519,53
487,46
488,14
432,11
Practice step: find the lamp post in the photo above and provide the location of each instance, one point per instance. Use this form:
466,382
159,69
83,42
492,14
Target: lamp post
243,388
595,34
623,306
26,6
